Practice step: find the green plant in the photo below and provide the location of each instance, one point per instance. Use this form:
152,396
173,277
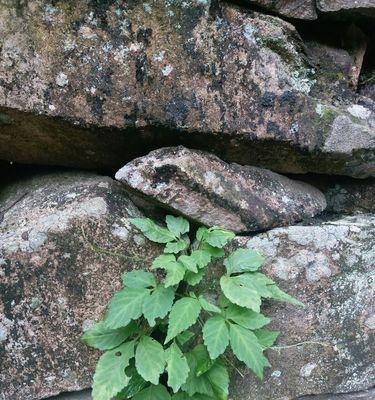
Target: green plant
165,341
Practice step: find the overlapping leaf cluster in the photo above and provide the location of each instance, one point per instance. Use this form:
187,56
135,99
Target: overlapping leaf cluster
163,341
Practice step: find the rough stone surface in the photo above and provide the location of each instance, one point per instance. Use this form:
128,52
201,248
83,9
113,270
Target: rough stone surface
363,395
200,73
207,190
53,284
300,9
339,5
326,347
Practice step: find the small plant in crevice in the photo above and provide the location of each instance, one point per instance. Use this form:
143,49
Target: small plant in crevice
163,340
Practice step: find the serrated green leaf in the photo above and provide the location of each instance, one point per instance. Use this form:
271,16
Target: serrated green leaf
158,304
135,385
110,378
184,314
218,237
153,231
266,338
150,359
201,233
125,306
239,294
243,260
219,379
138,279
102,338
158,392
193,279
189,262
175,247
247,349
255,281
177,225
216,336
177,367
162,261
204,362
201,257
208,306
247,318
184,337
175,274
278,294
215,252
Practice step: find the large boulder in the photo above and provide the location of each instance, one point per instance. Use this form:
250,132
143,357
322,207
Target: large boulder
341,5
208,75
64,241
209,191
327,347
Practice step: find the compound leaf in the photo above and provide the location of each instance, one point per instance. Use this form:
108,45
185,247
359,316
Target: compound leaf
189,262
193,279
184,337
218,237
246,348
125,306
102,338
152,230
158,392
158,304
243,260
207,306
216,336
247,318
219,379
150,359
177,367
110,378
184,314
278,294
138,279
201,257
175,273
175,247
177,225
162,261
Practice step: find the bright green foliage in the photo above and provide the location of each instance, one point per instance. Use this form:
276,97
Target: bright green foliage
110,377
216,336
125,306
183,315
158,304
246,348
152,326
102,338
150,359
138,279
177,367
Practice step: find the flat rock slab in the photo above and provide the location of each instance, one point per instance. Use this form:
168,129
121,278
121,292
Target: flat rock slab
63,246
209,191
327,347
129,75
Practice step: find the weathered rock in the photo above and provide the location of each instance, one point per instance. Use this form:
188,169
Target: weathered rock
340,5
209,191
301,9
63,247
199,73
362,395
328,347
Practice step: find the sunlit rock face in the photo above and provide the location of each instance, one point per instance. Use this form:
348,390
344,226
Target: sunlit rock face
204,74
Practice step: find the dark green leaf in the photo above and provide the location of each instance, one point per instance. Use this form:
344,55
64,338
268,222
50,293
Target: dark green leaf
184,337
138,279
219,379
110,378
150,359
243,260
158,392
102,338
135,385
